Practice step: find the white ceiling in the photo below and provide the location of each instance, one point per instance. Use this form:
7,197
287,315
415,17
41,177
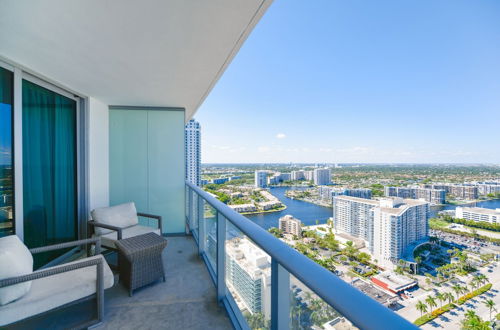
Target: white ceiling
129,52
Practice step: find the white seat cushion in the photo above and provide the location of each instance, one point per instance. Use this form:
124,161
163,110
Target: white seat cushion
122,216
109,240
53,291
15,260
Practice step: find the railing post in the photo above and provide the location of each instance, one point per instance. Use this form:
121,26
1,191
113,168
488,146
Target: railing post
280,296
190,208
221,257
201,226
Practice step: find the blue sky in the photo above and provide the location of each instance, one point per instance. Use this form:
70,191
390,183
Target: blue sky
361,81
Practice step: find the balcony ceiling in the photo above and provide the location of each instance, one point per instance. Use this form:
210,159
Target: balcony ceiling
129,52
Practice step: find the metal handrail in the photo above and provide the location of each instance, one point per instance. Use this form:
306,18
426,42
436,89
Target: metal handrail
358,308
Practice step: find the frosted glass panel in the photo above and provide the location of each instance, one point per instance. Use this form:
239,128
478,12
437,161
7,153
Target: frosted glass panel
128,158
147,163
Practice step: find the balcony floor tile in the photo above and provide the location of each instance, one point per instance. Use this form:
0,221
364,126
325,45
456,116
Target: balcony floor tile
186,300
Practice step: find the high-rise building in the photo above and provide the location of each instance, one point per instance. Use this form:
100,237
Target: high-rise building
397,223
192,139
298,175
322,176
387,226
248,274
260,179
354,216
309,175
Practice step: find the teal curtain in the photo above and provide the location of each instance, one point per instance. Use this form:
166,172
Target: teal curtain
6,147
49,168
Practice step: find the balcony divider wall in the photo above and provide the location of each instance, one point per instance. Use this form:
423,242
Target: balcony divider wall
146,162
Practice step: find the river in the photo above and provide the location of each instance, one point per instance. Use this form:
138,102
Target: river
308,213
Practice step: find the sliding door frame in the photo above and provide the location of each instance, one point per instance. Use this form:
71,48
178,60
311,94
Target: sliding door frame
20,74
11,68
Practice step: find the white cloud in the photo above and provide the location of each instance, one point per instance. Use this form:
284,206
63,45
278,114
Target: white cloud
280,136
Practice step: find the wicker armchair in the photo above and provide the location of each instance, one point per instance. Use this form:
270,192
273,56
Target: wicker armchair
60,286
107,225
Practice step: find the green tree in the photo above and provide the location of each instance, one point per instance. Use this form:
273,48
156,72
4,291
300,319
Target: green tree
431,302
421,307
441,297
490,304
257,321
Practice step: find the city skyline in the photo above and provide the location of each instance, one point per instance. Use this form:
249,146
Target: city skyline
358,82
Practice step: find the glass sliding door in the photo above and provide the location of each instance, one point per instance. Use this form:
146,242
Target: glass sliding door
49,122
6,153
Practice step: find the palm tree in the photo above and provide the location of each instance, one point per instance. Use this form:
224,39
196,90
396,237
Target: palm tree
472,283
431,302
441,297
470,314
422,308
450,297
458,289
491,305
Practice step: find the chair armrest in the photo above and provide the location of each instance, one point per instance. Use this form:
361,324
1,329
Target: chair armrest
95,240
54,271
152,216
102,225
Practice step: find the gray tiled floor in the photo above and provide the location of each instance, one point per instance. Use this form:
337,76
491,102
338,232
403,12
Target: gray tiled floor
185,301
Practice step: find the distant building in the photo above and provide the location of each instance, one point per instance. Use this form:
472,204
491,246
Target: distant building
467,192
290,225
435,196
243,208
359,192
309,175
220,180
488,188
327,193
260,179
298,175
322,176
248,274
478,214
192,145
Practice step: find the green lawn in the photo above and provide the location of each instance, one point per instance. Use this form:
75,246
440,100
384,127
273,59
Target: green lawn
438,223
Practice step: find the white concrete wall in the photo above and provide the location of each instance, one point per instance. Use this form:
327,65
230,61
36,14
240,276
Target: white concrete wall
98,153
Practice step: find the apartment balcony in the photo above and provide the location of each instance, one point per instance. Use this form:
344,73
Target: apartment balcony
94,99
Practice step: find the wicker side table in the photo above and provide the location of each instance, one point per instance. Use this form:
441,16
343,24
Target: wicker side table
140,260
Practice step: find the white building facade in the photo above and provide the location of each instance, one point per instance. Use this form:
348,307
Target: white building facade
192,145
478,214
322,176
260,179
396,224
387,226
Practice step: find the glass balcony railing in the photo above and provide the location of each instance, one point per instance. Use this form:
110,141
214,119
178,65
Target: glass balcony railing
265,284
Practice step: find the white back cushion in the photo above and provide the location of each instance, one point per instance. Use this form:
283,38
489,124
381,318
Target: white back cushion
123,216
15,260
